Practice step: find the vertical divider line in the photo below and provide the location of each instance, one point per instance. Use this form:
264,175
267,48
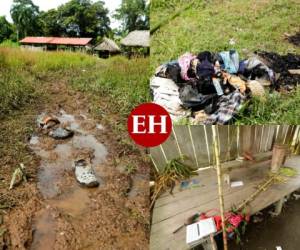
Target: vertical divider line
286,134
261,137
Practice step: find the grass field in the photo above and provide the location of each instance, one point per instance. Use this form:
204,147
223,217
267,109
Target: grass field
22,75
210,25
114,86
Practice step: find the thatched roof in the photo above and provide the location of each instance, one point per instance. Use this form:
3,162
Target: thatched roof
137,38
108,45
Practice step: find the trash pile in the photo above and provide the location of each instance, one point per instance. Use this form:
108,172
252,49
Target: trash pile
210,88
53,127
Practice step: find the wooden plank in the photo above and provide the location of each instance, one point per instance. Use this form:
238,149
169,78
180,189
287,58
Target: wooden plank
224,139
170,148
257,139
271,138
245,139
208,131
264,139
158,158
205,193
290,134
201,147
184,140
232,131
227,167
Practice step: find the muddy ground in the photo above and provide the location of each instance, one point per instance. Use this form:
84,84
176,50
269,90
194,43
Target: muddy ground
51,210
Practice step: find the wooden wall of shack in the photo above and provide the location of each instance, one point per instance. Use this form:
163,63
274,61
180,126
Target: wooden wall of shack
195,142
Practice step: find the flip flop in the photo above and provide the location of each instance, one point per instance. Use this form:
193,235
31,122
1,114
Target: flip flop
84,174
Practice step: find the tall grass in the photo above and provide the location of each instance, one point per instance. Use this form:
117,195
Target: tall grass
123,83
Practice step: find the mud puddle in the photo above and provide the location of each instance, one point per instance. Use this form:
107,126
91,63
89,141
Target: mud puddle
56,180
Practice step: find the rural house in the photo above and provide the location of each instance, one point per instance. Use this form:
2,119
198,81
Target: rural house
107,48
137,41
56,43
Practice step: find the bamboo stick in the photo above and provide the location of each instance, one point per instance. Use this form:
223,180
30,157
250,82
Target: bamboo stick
257,192
220,187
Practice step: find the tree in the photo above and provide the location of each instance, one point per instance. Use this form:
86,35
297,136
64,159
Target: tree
84,18
5,29
51,23
134,15
25,14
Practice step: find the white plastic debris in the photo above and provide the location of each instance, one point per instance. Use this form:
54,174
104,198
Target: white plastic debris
237,184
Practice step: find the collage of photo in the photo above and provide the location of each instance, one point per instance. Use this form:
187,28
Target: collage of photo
149,124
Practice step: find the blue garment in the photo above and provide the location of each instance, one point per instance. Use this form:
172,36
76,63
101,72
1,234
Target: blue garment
230,61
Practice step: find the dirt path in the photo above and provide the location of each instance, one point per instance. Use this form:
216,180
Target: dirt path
58,213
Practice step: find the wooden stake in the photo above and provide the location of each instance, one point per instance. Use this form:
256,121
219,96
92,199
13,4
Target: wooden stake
220,186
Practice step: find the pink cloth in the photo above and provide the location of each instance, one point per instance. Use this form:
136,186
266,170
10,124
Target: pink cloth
184,63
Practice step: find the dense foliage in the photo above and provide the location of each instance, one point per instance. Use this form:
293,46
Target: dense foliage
76,18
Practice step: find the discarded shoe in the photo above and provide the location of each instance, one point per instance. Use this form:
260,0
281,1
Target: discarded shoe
61,133
45,121
84,174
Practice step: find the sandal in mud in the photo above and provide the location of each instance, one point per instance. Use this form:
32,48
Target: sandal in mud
46,121
84,174
61,133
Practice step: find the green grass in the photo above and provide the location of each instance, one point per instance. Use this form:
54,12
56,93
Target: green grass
123,82
209,25
114,86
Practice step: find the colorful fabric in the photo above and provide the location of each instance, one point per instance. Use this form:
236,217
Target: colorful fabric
184,63
228,106
230,61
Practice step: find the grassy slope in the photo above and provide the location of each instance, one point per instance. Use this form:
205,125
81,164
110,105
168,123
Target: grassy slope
209,25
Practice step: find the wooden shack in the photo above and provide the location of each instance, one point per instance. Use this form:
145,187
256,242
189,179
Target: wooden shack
137,42
107,48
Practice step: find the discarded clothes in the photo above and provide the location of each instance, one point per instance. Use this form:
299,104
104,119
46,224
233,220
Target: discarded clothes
192,99
217,83
185,63
230,61
170,70
166,93
228,106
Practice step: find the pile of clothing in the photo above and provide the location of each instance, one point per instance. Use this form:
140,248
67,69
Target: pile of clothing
210,88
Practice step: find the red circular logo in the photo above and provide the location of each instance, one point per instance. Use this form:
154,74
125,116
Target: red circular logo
149,124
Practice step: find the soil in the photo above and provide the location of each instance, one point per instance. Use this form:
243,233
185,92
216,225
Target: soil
295,39
52,211
281,64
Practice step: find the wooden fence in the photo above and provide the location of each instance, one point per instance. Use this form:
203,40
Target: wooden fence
195,142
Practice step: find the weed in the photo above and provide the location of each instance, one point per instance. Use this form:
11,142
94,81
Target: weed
130,169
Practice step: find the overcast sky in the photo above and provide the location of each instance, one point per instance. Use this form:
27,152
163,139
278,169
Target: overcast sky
50,4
